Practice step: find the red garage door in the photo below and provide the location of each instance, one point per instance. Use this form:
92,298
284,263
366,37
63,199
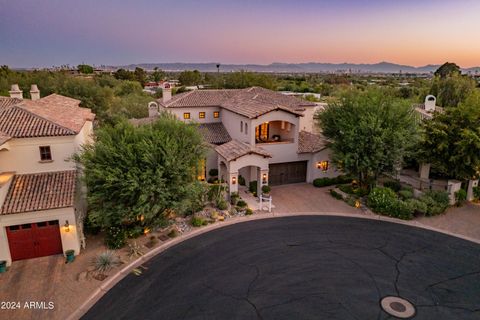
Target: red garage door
34,240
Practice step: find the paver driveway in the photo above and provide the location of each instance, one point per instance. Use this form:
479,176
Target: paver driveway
305,198
303,267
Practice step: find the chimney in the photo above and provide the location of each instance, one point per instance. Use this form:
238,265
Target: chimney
430,102
166,92
34,92
15,92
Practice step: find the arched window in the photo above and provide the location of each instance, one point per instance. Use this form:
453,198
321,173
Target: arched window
246,128
241,126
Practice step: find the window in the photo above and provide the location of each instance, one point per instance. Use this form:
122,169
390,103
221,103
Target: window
186,115
261,132
216,114
246,128
201,115
241,126
322,165
45,153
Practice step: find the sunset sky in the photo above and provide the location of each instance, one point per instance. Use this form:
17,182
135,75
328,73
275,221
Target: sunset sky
36,33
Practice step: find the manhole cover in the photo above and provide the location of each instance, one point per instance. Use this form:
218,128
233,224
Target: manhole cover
398,307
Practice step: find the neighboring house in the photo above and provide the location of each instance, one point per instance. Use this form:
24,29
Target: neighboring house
260,134
40,207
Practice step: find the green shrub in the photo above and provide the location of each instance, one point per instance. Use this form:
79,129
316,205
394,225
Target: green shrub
213,172
476,193
336,195
134,231
241,180
460,197
405,194
436,201
115,237
234,198
241,203
105,261
417,206
221,204
382,200
393,184
266,189
401,209
347,188
197,221
173,233
216,191
89,227
252,186
248,212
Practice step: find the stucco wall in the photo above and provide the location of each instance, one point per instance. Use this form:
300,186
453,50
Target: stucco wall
232,122
306,122
24,155
194,114
70,240
313,172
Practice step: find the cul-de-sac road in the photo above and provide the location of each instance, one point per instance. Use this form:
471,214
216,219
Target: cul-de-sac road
304,267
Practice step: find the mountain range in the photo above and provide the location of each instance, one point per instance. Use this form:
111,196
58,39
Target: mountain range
309,67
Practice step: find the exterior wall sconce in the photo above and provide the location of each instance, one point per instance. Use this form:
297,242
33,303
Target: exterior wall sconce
322,165
66,226
234,180
264,178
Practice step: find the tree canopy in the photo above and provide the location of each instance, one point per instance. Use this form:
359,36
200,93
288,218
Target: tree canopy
447,69
85,68
451,140
141,171
370,133
190,78
453,89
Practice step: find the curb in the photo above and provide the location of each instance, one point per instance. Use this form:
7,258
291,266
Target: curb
112,281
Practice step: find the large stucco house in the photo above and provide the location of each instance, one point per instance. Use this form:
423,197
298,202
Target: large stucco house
40,209
259,134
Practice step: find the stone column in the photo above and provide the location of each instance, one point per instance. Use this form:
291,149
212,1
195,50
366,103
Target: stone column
233,182
471,184
424,171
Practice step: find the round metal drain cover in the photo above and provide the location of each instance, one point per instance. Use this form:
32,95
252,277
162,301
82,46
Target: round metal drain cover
398,307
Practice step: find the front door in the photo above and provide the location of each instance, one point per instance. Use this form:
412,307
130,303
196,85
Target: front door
34,240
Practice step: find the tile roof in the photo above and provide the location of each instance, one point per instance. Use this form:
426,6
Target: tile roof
17,122
54,115
310,143
61,110
199,98
214,133
250,102
40,191
7,102
235,149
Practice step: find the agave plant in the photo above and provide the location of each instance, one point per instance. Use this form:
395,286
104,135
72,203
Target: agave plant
105,261
134,250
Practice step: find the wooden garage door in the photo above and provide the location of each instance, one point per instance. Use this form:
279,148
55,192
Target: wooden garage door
33,240
288,172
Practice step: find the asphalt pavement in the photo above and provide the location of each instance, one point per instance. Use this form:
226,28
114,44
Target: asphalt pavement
305,267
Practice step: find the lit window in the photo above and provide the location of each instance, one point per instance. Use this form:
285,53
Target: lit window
186,115
262,132
216,114
201,115
241,126
45,153
322,165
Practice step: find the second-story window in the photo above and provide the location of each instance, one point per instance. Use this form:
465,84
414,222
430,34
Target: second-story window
241,126
201,115
45,153
216,114
246,128
186,115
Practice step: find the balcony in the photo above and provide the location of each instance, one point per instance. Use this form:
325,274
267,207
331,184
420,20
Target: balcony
274,132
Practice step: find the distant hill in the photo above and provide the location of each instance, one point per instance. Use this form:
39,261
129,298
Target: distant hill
309,67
